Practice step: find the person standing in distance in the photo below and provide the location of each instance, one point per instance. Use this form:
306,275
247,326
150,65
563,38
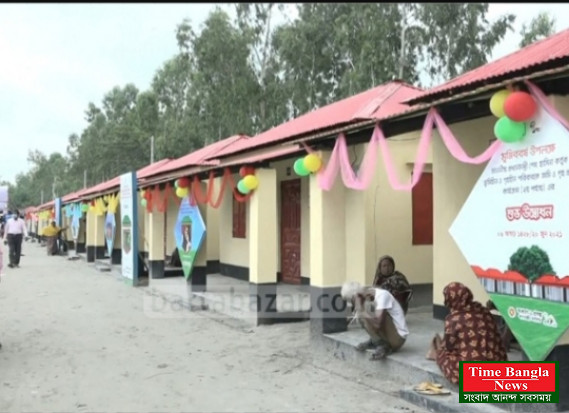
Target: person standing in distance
14,232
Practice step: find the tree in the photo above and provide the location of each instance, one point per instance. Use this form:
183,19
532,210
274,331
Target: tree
540,27
255,22
458,37
532,263
224,87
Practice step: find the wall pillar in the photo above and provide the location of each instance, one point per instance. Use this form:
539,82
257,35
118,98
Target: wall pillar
100,248
212,237
90,235
358,233
327,256
263,246
82,236
156,244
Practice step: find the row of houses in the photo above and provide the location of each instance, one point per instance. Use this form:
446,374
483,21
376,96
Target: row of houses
547,287
292,231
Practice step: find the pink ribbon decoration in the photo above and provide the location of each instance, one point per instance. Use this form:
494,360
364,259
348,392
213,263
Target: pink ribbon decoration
340,160
548,106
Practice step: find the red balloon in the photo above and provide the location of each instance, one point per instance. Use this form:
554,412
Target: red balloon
183,182
520,106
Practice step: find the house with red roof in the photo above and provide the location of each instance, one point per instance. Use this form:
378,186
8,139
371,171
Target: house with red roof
290,230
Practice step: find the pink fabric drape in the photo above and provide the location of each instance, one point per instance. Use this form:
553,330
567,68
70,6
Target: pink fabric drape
340,161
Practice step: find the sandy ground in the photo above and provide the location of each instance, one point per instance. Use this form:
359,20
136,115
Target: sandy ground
78,340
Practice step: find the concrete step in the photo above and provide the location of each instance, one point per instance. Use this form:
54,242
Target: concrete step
406,365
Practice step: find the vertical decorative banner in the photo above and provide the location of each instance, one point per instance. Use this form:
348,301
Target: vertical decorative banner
76,214
514,232
58,217
189,233
129,218
110,226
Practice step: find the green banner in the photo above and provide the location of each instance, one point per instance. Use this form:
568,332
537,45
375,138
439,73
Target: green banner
537,324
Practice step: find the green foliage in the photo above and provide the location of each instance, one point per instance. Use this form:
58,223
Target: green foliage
532,263
540,27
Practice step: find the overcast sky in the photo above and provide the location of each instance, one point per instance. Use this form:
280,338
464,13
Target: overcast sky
56,58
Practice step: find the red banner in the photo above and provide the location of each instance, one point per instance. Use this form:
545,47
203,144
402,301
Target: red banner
515,377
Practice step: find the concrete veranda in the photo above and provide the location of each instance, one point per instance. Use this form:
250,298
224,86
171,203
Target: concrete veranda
76,339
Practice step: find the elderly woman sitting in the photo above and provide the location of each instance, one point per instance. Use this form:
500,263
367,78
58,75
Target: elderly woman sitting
389,279
471,333
381,316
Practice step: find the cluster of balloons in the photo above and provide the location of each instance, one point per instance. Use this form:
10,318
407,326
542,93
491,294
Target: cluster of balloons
182,187
248,182
309,164
513,109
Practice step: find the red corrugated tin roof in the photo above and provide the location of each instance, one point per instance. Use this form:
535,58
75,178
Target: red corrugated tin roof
104,186
199,157
547,279
276,153
149,170
375,103
115,182
547,50
46,205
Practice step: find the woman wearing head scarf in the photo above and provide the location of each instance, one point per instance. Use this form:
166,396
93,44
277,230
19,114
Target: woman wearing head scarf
389,279
471,334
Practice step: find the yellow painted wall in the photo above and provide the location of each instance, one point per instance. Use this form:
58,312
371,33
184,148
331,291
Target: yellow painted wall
234,251
390,212
380,215
452,183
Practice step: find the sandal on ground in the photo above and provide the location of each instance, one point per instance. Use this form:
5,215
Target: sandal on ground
432,389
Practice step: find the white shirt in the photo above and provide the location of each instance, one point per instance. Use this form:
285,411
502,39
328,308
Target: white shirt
385,301
15,227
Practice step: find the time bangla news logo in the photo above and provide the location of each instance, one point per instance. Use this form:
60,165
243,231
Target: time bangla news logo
508,382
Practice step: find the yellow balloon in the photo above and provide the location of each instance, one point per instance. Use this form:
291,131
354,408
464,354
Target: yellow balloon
251,182
312,162
497,102
181,192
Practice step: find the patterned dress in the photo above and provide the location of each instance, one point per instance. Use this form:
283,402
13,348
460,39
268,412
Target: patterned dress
396,283
471,334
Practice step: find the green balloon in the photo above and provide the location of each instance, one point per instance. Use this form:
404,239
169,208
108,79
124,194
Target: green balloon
143,202
177,183
299,168
509,131
241,187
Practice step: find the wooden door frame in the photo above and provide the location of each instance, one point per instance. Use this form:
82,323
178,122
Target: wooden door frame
281,246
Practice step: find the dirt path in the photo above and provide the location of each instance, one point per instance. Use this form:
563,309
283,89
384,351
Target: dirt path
77,340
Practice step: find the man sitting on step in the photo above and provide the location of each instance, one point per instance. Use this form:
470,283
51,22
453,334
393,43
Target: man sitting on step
381,316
